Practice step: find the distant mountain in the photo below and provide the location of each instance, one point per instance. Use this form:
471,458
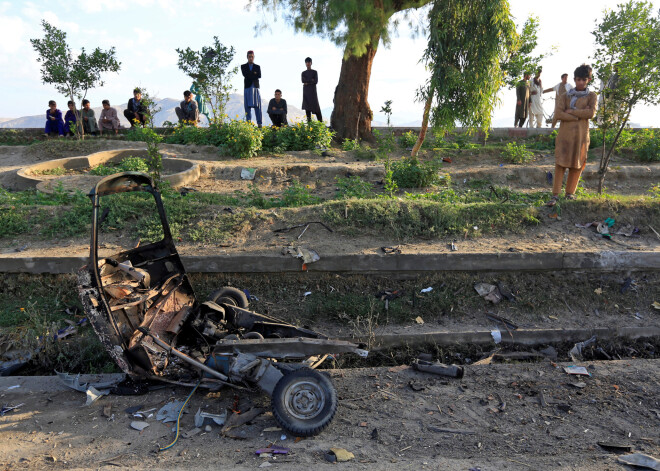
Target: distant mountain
167,113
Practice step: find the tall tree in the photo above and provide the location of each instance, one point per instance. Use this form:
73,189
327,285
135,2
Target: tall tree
72,77
358,26
209,69
521,58
466,75
627,61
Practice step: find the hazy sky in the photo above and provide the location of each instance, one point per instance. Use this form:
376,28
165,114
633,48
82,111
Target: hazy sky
146,33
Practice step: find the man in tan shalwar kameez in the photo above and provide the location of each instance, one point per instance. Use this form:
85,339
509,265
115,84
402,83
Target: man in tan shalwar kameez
574,109
522,101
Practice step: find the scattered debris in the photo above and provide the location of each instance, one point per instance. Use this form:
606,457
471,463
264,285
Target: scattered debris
656,305
248,173
427,290
390,295
306,255
453,247
628,284
139,425
654,231
94,395
628,230
388,250
506,322
615,447
274,450
374,434
236,420
576,370
339,455
272,429
576,351
641,460
438,368
419,320
578,385
489,292
7,408
451,430
549,352
218,419
73,382
414,386
497,335
304,225
192,432
598,291
169,412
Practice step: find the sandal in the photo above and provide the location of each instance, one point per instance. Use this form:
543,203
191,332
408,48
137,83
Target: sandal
570,196
553,201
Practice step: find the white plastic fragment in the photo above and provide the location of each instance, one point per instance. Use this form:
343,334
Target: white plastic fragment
497,335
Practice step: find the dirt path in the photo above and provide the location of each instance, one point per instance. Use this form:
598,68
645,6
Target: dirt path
495,409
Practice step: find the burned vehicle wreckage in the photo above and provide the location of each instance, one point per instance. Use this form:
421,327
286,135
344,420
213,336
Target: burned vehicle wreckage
142,306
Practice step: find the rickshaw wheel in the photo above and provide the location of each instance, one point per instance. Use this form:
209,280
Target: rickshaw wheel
231,296
304,402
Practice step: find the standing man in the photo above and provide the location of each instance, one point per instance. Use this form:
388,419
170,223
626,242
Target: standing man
251,96
560,89
136,110
536,101
108,120
277,110
310,102
522,103
188,109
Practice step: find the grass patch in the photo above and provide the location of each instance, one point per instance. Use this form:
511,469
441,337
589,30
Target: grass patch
59,148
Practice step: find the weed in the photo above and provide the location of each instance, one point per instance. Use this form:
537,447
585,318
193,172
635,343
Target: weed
297,194
353,187
350,144
58,171
409,172
649,150
517,153
407,139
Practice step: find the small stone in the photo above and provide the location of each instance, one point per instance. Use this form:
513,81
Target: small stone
207,428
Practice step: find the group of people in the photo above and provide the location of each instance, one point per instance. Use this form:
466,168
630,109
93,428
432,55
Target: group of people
277,108
529,99
135,113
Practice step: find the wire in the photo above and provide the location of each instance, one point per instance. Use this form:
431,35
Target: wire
176,438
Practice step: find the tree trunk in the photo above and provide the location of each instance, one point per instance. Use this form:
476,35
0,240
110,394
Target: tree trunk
605,160
425,125
351,116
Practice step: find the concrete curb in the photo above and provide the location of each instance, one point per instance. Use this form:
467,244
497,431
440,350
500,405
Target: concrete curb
528,337
366,264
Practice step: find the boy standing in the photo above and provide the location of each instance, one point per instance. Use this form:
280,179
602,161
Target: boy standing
310,102
251,95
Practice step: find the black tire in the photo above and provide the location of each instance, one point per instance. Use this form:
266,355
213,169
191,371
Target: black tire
304,402
231,296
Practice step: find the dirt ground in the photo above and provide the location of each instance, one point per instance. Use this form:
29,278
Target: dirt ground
274,173
389,418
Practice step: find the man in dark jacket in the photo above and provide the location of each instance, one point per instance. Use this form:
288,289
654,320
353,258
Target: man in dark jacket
251,96
188,110
277,110
136,109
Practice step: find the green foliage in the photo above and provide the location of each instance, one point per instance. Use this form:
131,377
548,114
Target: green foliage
627,59
386,143
387,109
520,60
297,194
407,139
51,171
466,75
240,139
655,191
15,137
298,136
210,72
409,172
353,187
150,105
545,142
129,164
517,153
464,141
389,183
184,133
649,150
72,77
350,144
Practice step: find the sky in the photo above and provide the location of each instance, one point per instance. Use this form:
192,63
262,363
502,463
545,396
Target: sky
146,33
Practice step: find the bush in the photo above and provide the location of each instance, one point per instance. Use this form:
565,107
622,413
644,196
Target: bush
188,134
517,153
298,136
409,172
298,194
129,164
648,149
464,141
353,187
350,144
407,139
239,138
142,134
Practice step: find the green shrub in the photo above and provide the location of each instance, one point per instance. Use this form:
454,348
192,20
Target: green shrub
409,172
464,141
239,138
649,150
13,221
51,171
407,139
544,142
297,194
103,170
350,144
517,153
353,187
298,136
141,134
188,134
129,164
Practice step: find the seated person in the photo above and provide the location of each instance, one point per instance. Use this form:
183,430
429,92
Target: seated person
88,119
54,122
70,119
277,110
109,119
136,110
188,109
